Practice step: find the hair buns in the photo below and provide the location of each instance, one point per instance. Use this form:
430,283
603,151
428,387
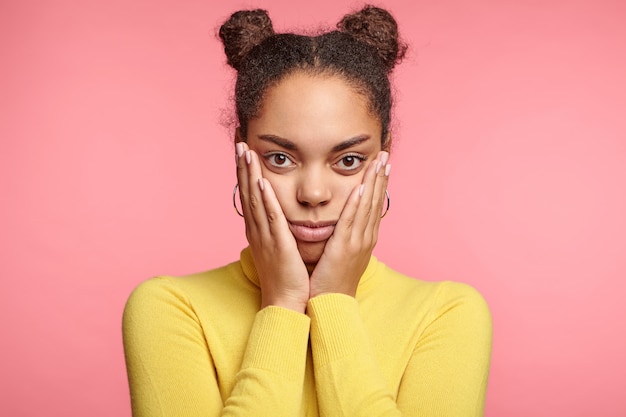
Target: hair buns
243,31
377,28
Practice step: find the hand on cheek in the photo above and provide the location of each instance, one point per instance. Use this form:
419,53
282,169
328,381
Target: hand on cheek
349,249
283,276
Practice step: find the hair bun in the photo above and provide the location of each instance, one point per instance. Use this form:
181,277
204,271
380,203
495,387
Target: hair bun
377,28
243,31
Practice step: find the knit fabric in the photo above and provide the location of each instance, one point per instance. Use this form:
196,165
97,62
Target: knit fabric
199,345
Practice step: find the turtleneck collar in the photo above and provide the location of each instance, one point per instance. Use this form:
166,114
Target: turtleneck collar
249,270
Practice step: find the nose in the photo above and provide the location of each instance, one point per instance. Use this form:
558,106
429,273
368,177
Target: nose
313,189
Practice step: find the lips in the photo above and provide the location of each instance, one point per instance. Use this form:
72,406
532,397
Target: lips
312,231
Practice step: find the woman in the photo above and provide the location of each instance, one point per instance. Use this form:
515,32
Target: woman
308,322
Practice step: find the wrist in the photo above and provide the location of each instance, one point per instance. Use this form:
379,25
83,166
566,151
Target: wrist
284,302
317,290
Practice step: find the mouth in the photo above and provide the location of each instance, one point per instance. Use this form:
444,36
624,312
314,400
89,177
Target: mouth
312,231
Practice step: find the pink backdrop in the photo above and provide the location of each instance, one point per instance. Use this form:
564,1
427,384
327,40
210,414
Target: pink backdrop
509,174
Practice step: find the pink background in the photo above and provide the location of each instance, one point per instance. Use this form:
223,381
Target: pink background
509,174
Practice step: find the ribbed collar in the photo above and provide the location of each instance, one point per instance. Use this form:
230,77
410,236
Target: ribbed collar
249,270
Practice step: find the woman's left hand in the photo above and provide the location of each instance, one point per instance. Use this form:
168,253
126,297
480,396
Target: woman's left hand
348,250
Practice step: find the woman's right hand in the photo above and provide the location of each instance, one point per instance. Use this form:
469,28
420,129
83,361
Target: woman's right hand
283,276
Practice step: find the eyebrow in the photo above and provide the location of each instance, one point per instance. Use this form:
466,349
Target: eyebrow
350,143
287,144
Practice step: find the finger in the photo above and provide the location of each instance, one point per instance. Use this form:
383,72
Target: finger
254,204
242,169
365,209
276,220
380,184
345,223
244,183
378,202
352,216
247,174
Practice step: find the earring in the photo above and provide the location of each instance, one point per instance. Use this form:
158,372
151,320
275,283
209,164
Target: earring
388,204
235,200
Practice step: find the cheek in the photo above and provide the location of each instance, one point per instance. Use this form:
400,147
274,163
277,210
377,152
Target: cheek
348,186
286,189
282,186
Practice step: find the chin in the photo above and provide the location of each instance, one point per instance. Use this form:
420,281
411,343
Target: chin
311,252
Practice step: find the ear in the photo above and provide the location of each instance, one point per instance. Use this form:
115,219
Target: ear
238,137
387,143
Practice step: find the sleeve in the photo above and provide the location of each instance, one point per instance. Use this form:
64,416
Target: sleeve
171,370
446,374
348,380
448,370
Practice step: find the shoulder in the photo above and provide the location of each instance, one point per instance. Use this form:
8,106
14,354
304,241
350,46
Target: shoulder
154,301
434,299
442,290
167,287
190,296
462,299
156,290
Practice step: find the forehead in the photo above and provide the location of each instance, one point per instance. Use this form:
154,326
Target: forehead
314,109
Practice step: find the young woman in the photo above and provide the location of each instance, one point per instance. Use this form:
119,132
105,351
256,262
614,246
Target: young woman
308,322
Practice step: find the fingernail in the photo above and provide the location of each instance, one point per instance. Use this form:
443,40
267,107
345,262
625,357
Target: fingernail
239,148
361,189
387,170
248,157
379,165
384,157
261,184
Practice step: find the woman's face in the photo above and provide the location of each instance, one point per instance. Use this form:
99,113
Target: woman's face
314,136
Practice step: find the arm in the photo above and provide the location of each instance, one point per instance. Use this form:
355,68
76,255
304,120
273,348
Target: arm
348,379
446,374
171,370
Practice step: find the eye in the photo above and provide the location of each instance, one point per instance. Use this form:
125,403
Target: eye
351,162
278,160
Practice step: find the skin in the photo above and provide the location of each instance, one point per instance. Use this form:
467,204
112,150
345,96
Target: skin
312,177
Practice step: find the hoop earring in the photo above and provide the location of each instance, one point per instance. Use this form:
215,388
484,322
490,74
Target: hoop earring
388,204
235,201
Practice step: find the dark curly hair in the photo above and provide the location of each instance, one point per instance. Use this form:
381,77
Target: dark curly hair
363,51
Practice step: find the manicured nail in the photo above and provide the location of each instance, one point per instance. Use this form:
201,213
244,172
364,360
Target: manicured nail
387,170
361,189
379,165
384,157
239,148
248,157
261,184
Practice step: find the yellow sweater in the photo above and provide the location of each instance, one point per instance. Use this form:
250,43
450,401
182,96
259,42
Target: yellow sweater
199,346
